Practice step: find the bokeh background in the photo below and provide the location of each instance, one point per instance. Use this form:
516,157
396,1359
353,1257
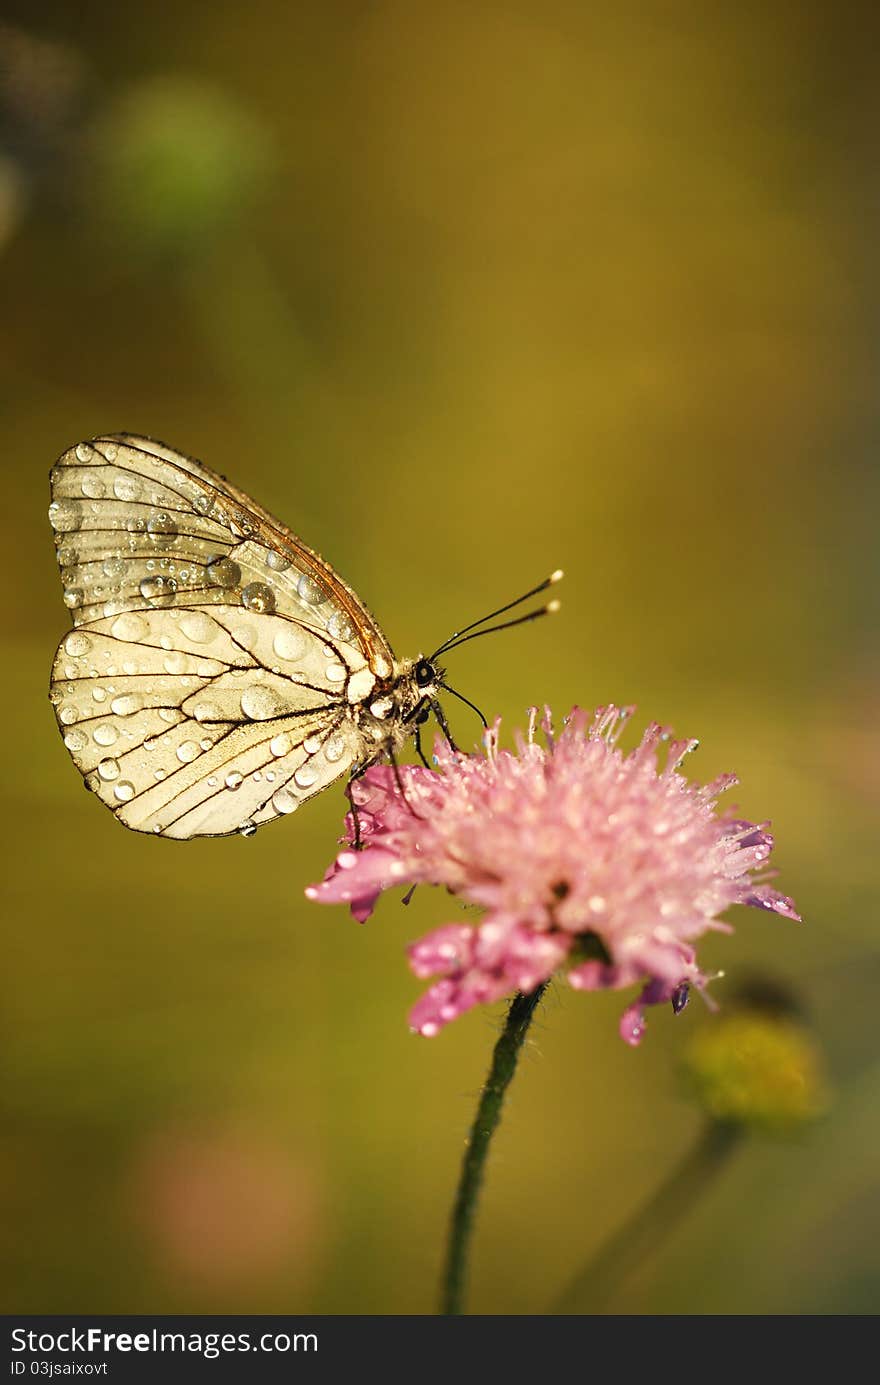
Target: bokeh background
463,293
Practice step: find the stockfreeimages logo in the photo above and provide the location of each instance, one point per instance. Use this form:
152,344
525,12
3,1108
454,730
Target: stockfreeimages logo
97,1341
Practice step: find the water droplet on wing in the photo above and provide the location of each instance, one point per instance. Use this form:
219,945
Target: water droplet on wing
159,591
198,627
283,801
223,572
256,596
77,644
310,591
162,530
290,643
65,516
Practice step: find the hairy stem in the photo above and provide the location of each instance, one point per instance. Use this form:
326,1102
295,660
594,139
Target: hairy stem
504,1061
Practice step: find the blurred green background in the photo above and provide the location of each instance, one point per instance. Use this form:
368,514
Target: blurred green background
462,293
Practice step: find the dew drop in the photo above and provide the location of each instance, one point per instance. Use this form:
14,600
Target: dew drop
340,627
276,561
109,769
126,705
198,627
310,591
234,780
246,636
334,749
129,626
247,829
66,715
168,714
159,591
68,557
73,597
260,703
77,644
65,516
207,711
256,596
92,487
223,572
187,752
283,801
311,745
305,776
99,694
76,740
125,488
113,567
280,745
110,451
124,791
175,662
290,643
162,531
105,734
83,451
336,673
240,523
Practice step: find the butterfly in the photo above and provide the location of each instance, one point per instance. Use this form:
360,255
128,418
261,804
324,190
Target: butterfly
219,673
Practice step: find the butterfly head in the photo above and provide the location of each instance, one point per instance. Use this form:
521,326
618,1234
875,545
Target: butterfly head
417,684
427,676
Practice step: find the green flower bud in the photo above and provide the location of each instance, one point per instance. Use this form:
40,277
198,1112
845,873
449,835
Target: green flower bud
756,1069
177,164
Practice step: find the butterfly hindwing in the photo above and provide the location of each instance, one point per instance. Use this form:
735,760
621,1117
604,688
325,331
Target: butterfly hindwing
206,686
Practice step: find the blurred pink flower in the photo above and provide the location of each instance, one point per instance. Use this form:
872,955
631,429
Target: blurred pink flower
580,854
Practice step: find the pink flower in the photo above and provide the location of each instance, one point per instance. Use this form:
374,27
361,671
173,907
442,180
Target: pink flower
611,864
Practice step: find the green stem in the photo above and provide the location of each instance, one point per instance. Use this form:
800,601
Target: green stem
504,1060
597,1283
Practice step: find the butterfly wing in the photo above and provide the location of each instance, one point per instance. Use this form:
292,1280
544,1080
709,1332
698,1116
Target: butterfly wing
207,683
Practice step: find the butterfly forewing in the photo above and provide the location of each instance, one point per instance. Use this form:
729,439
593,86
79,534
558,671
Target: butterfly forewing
205,687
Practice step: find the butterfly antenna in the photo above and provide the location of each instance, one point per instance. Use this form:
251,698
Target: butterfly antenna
461,636
550,609
473,706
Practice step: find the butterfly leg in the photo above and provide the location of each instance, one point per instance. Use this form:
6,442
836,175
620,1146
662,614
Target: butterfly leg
395,767
356,774
417,736
420,720
443,724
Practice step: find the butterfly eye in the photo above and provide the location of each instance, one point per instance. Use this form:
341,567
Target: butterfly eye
424,673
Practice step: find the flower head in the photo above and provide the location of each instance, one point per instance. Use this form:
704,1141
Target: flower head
608,863
757,1070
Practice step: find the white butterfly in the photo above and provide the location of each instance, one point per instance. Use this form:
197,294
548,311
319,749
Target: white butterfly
220,672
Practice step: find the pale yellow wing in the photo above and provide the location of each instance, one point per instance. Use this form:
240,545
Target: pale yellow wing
139,526
208,683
